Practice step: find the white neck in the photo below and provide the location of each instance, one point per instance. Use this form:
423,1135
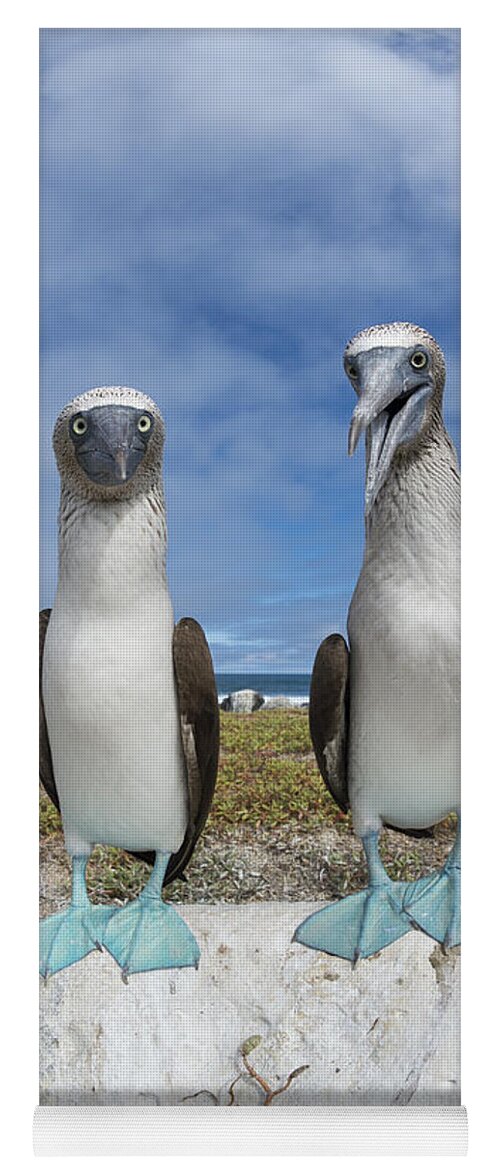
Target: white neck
421,496
112,554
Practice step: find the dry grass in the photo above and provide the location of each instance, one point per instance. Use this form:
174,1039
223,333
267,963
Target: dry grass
273,832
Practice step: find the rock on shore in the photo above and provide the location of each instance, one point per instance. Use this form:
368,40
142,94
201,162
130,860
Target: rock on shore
243,701
278,701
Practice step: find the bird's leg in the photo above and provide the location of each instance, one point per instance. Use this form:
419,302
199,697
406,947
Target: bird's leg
154,885
433,903
376,869
148,933
79,896
364,923
72,934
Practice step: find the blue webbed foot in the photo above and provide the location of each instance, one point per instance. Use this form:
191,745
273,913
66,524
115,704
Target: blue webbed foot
433,903
69,936
149,934
364,923
359,925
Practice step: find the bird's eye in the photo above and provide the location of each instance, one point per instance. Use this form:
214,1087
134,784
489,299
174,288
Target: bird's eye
79,426
351,370
144,424
419,360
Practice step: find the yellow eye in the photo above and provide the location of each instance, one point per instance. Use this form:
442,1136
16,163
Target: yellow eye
79,426
144,424
419,360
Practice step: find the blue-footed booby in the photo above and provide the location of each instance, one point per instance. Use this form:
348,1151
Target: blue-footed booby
129,713
384,714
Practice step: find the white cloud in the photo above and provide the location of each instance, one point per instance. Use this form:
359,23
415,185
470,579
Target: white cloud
221,210
230,156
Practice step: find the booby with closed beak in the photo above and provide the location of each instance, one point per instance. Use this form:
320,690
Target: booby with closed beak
129,713
384,715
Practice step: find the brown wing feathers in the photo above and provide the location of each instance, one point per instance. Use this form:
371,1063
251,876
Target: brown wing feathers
329,716
46,769
199,715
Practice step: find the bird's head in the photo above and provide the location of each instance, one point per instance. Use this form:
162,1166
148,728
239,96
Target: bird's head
108,443
398,372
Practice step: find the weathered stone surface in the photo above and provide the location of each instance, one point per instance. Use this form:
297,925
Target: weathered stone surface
242,701
383,1034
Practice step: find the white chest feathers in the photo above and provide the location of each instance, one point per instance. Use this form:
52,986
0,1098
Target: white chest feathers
404,629
108,683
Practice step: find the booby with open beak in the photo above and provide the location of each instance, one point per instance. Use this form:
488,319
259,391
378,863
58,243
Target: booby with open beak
129,714
384,716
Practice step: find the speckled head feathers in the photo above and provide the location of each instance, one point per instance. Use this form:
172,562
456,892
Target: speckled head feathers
102,396
399,333
72,475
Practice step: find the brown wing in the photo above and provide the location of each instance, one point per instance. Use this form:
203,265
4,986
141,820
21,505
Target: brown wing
46,770
329,715
199,714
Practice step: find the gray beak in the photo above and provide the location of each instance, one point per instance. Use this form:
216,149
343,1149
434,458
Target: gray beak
391,409
111,447
122,462
379,387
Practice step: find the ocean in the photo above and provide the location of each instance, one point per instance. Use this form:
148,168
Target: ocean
295,687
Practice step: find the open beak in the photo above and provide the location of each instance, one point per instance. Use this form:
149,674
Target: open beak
390,408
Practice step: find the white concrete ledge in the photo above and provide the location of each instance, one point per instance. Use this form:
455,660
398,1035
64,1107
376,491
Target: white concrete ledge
385,1034
300,1130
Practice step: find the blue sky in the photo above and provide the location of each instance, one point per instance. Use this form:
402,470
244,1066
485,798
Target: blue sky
221,211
